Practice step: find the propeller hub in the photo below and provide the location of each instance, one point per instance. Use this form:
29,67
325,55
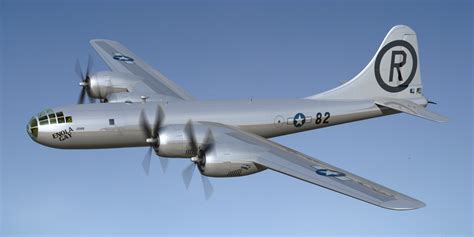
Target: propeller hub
85,81
152,140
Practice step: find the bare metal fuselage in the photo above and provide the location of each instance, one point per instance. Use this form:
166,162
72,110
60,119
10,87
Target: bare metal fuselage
112,125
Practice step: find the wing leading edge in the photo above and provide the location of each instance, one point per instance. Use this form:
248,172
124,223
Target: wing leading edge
295,164
120,59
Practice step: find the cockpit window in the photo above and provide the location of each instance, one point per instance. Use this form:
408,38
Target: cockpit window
60,117
50,117
43,113
43,120
42,116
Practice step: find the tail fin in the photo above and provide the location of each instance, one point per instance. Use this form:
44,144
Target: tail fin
394,72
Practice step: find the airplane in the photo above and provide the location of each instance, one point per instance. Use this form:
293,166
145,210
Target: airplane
142,108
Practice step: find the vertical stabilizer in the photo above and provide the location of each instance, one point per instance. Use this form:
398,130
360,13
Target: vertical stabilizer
394,72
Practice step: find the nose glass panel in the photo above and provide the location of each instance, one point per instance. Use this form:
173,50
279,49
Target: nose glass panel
32,128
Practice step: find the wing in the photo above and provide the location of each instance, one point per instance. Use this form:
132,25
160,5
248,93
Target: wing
120,59
295,164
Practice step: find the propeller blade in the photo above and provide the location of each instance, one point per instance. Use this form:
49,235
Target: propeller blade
84,80
208,142
188,174
144,125
82,96
79,70
159,117
189,130
146,161
90,62
206,184
164,164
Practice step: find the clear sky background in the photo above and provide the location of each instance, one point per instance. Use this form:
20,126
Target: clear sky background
236,50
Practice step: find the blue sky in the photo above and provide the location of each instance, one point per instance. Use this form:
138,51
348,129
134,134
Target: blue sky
236,50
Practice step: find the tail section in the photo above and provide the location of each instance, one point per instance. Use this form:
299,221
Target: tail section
391,79
394,72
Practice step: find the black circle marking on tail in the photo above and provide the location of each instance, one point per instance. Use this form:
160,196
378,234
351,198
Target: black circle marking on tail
382,52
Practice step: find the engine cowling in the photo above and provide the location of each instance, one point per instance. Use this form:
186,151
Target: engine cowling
102,84
217,164
173,142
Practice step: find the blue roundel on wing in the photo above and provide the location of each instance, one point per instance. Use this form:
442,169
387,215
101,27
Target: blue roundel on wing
329,173
123,58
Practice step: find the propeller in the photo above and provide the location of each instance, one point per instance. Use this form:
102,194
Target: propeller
152,137
85,81
199,159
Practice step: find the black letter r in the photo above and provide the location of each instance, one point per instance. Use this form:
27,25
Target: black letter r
397,65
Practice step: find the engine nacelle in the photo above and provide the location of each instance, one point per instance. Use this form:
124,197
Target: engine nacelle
221,161
228,160
102,84
224,165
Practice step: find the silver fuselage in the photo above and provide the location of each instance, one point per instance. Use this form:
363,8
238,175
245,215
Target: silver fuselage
113,125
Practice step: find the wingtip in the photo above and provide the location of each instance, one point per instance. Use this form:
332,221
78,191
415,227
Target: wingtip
437,118
93,41
443,119
403,204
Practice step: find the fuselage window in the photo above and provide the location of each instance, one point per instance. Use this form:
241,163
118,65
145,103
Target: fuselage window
68,119
111,122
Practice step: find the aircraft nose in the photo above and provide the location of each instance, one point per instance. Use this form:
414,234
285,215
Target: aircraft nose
43,126
32,128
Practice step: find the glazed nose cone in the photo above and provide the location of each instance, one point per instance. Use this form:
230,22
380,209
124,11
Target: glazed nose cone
32,128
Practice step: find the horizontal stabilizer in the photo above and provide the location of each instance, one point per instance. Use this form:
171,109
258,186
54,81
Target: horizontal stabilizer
409,107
